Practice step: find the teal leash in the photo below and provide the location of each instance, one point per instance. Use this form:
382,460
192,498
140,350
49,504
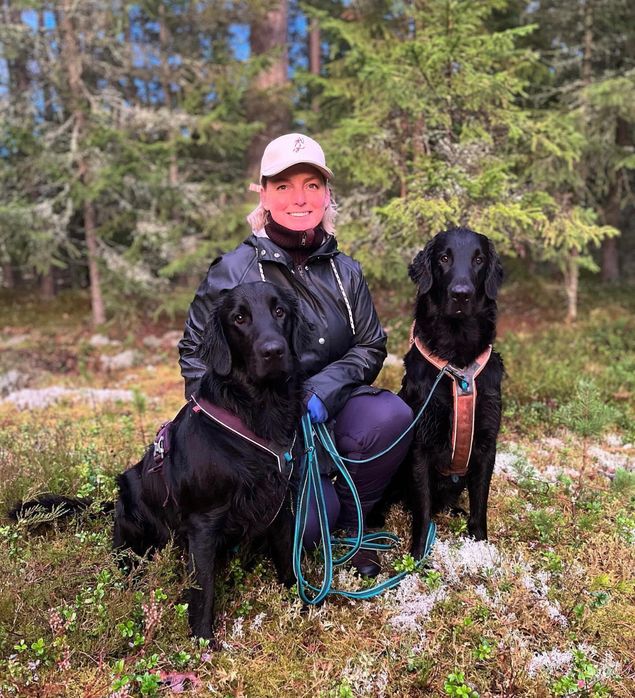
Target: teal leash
310,483
332,451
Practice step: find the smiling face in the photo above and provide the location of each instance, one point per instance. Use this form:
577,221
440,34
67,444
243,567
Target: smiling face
297,197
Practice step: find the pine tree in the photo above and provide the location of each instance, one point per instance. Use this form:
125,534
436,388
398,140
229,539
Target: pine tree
432,129
140,141
588,48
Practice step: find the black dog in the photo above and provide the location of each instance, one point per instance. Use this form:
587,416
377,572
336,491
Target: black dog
458,274
214,489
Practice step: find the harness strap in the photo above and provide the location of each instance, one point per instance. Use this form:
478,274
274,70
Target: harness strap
229,421
464,395
233,423
161,447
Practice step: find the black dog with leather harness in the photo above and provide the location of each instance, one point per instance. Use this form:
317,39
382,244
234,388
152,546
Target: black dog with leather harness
457,274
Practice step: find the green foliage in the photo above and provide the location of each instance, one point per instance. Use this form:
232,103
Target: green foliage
432,579
343,690
406,564
624,482
587,414
581,680
455,686
424,142
458,524
585,391
428,131
484,650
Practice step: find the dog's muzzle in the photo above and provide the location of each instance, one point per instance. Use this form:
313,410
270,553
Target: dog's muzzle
460,298
272,358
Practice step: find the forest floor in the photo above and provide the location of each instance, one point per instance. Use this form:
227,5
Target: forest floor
545,608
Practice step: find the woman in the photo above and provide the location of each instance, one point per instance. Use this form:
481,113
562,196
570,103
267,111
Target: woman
293,245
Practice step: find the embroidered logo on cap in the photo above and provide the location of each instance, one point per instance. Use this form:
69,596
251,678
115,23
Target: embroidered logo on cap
298,145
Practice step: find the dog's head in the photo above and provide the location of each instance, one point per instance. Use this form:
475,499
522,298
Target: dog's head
460,270
254,328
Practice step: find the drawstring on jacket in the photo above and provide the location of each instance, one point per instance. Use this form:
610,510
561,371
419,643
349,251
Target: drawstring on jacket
344,296
347,303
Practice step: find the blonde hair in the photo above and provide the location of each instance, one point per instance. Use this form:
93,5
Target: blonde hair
258,217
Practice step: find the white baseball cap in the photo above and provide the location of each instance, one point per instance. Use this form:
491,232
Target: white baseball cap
292,149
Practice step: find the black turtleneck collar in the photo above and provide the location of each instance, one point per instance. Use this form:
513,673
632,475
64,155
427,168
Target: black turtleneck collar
298,243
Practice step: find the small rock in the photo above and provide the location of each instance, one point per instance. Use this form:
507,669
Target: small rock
16,340
171,338
29,399
125,359
11,380
152,342
99,340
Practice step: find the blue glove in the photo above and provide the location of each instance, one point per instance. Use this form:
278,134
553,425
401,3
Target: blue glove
316,409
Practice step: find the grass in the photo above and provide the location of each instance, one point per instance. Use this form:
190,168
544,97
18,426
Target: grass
544,609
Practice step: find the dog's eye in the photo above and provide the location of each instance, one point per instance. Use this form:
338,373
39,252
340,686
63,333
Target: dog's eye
478,260
279,312
239,318
444,259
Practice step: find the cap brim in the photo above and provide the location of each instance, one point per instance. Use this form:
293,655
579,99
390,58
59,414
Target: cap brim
281,167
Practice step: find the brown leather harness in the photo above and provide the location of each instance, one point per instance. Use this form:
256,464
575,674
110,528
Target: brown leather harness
464,403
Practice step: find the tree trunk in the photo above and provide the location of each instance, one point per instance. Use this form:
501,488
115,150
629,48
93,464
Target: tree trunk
49,111
572,272
613,208
164,40
571,277
73,65
587,43
269,101
47,285
610,260
315,54
130,88
96,300
8,277
19,79
19,83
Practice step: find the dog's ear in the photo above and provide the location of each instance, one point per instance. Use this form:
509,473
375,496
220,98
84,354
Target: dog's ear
301,335
214,349
420,269
494,277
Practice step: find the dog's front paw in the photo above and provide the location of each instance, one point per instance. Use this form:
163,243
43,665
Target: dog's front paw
289,581
477,531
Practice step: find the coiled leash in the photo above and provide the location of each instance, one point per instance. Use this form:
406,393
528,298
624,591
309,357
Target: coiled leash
311,484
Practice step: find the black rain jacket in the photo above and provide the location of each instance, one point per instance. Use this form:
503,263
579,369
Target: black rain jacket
340,363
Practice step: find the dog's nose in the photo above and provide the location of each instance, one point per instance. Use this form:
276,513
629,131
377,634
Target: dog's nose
272,350
461,294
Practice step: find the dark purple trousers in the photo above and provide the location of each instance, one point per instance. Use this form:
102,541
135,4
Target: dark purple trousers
365,426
